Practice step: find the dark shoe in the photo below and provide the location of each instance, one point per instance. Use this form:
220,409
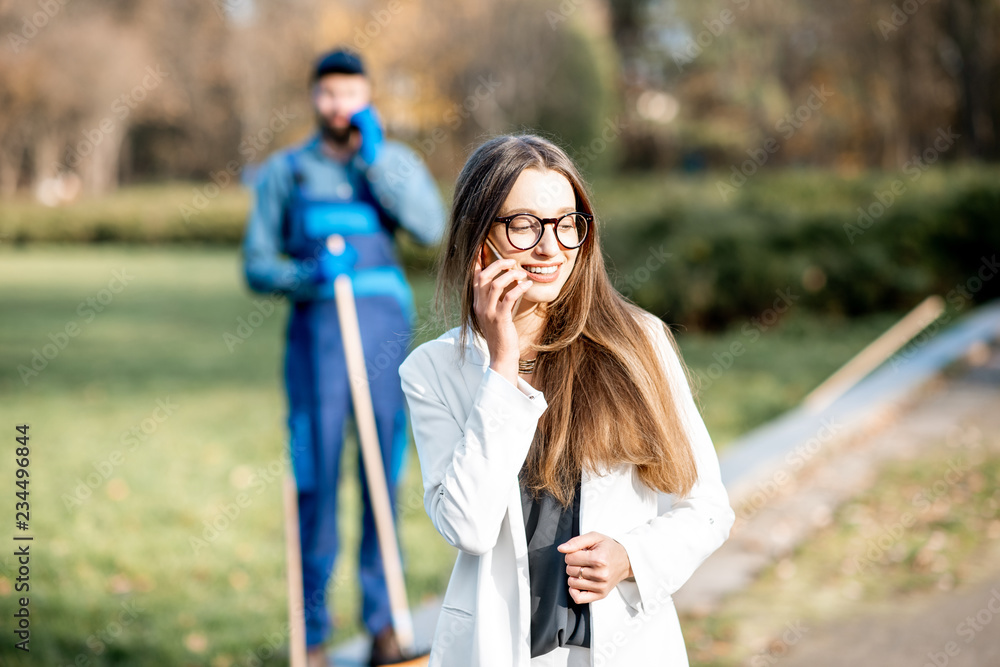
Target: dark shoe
385,648
316,657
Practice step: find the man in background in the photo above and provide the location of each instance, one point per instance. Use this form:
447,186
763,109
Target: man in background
332,206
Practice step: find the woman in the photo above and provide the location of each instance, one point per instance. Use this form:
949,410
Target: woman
561,449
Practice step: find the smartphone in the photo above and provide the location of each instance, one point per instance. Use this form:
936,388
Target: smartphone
492,255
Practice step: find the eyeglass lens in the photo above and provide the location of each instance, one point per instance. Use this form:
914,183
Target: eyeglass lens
524,231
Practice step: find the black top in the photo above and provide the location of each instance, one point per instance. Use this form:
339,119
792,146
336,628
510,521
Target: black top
556,620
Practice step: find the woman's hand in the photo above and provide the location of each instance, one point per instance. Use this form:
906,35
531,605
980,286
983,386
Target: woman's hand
595,564
495,314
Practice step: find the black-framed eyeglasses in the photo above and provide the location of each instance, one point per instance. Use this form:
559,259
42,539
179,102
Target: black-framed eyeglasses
524,230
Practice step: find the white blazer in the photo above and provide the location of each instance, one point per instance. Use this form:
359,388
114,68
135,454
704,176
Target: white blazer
473,429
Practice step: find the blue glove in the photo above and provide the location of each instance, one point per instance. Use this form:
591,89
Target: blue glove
370,128
331,266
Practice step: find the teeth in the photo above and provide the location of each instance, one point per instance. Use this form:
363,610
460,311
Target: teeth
543,270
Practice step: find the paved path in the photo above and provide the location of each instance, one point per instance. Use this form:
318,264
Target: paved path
959,628
955,629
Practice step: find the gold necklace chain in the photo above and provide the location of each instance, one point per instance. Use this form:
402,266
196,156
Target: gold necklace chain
526,366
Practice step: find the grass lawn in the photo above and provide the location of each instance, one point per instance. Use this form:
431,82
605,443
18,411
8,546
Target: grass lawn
157,452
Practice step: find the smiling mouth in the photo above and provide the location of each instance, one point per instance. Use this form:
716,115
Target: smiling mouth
543,274
542,270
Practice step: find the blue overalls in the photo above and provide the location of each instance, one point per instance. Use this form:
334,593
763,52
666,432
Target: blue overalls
316,380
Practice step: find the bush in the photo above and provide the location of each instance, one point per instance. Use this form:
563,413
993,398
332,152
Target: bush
823,242
146,214
828,249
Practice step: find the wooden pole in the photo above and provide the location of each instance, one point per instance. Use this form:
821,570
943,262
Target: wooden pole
378,491
293,556
874,354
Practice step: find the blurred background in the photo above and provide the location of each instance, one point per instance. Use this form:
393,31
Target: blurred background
782,182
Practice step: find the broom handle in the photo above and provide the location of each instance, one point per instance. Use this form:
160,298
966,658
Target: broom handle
875,353
378,491
293,556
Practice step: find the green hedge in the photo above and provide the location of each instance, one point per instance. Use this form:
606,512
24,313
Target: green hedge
146,214
677,245
809,240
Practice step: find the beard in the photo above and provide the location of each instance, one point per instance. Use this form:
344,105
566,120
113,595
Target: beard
338,135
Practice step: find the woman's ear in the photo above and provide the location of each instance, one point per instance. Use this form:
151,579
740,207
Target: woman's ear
483,256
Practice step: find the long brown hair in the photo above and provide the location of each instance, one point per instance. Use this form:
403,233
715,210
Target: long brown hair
609,398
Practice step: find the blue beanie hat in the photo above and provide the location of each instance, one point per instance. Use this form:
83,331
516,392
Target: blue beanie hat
340,61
